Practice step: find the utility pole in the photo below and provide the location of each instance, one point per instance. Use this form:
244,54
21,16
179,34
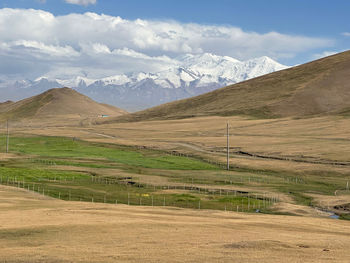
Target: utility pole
8,137
228,148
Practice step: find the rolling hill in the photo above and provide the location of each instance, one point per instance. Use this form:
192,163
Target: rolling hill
57,102
315,88
5,105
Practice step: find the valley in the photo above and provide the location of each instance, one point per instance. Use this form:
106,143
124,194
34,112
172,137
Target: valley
193,161
174,131
103,172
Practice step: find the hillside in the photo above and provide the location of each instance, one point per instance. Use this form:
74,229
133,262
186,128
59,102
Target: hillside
57,102
318,87
5,105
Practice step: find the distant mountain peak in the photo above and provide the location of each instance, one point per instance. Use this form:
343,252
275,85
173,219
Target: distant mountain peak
193,74
191,69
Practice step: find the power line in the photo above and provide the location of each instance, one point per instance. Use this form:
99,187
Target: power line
8,137
228,147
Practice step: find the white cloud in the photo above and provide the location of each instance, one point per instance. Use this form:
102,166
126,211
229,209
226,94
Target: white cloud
39,47
102,45
346,34
81,2
324,54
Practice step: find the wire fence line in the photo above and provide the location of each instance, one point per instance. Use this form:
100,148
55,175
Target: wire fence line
198,198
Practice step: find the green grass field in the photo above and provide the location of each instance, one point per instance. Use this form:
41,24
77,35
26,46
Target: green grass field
70,148
71,169
36,170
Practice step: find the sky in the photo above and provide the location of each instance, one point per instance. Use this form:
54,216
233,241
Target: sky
97,38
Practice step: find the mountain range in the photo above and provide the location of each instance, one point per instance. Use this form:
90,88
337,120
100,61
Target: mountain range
191,76
317,88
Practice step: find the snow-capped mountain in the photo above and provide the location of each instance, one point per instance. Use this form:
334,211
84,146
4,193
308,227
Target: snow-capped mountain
202,69
193,75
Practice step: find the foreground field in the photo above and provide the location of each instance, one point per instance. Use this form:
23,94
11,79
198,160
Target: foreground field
34,228
172,175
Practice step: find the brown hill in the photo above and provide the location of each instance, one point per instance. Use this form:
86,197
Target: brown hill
57,102
318,87
5,105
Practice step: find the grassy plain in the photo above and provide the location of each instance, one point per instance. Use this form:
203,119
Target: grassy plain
55,166
283,160
296,167
35,228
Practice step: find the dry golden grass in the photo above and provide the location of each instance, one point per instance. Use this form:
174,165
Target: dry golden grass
322,139
38,229
56,102
328,201
48,230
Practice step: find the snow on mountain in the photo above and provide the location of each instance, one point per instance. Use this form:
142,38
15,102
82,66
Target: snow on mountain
227,70
116,80
202,69
193,75
76,82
